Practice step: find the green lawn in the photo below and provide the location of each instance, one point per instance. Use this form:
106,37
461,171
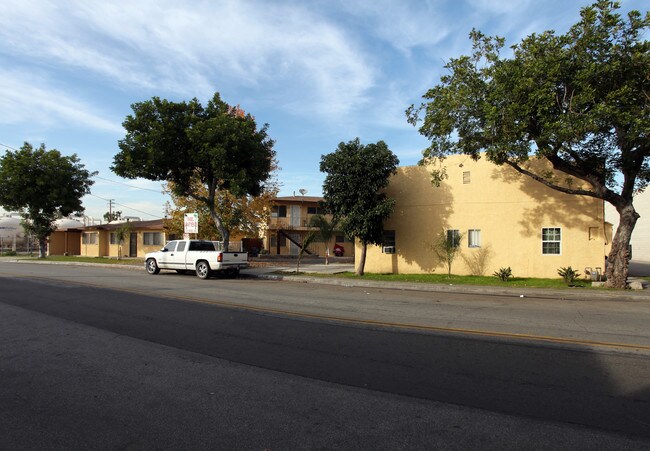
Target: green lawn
462,280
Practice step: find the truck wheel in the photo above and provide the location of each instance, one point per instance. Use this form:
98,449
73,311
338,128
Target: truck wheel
202,269
152,266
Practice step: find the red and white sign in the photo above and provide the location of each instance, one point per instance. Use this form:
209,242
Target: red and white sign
191,223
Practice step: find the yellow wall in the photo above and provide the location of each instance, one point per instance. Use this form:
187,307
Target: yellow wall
510,210
99,249
105,249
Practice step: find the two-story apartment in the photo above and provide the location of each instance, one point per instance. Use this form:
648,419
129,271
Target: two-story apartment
497,215
290,223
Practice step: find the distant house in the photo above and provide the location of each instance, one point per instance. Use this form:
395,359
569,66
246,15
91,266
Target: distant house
640,242
495,213
290,223
142,237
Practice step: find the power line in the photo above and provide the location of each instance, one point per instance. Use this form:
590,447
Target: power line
160,191
9,147
126,206
130,186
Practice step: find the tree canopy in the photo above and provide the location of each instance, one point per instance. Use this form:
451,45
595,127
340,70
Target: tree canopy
356,175
43,186
182,142
579,100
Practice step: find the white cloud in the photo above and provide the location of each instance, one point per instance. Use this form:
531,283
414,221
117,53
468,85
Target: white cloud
403,25
194,48
25,97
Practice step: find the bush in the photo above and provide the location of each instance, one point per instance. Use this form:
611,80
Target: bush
503,274
9,253
568,274
477,260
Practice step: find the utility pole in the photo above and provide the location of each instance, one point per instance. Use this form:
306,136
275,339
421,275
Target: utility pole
110,209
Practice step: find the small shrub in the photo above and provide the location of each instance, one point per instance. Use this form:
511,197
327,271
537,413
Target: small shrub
568,274
503,274
9,253
477,260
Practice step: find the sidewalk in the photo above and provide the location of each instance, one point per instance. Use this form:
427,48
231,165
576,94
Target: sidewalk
275,270
580,294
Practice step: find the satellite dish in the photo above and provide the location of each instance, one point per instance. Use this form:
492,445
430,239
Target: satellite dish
302,191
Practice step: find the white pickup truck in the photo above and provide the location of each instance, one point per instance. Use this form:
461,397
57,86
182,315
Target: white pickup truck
195,255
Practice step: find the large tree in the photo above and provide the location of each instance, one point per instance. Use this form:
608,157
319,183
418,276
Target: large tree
244,215
43,186
578,101
356,176
181,142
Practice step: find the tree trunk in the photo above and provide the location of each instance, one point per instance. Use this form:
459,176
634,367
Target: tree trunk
42,247
362,260
225,233
327,254
616,266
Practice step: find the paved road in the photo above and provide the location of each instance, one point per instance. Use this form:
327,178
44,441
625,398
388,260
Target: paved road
122,351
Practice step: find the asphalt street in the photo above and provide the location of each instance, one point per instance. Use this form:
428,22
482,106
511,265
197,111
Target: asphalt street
66,340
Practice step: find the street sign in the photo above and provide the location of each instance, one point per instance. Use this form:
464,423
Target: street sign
191,223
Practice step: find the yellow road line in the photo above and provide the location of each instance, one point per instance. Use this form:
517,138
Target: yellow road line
340,319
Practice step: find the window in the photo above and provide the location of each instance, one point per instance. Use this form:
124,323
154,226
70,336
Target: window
113,238
466,177
181,246
388,244
201,246
314,211
171,246
152,238
474,238
340,238
89,238
551,240
453,236
279,211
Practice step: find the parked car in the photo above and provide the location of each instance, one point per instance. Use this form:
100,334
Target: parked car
199,256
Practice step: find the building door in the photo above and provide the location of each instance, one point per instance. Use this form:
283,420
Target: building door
133,245
294,249
295,216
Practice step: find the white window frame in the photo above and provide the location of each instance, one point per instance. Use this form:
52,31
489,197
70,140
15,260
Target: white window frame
469,238
551,241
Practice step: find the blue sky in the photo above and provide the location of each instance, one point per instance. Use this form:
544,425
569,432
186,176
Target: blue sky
319,72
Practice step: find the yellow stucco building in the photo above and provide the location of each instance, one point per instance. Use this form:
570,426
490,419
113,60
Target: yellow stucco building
141,237
507,219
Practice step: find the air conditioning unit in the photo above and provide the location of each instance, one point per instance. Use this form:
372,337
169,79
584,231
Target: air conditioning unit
388,249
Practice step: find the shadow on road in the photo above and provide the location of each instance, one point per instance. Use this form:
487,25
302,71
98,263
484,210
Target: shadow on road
605,390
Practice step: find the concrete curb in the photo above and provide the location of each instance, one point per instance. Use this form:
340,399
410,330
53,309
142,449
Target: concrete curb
516,292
